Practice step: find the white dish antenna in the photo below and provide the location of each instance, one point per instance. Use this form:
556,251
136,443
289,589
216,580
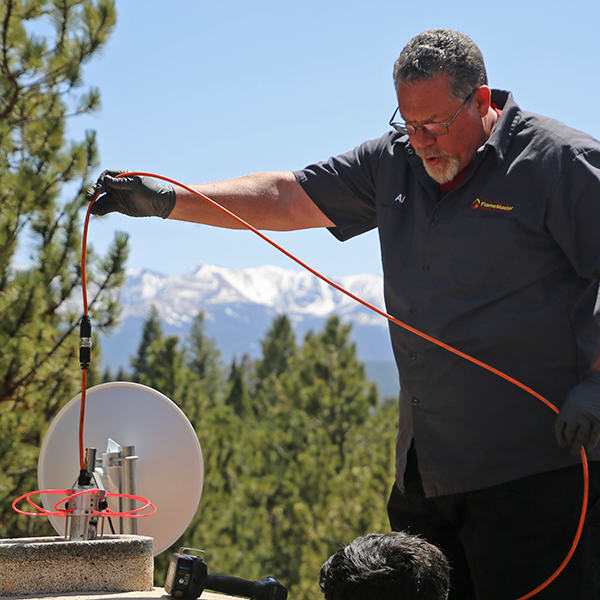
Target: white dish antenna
169,470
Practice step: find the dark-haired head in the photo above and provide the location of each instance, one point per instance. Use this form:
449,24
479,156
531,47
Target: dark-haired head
386,566
442,51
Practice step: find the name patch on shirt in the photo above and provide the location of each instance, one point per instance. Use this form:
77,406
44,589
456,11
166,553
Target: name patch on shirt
497,206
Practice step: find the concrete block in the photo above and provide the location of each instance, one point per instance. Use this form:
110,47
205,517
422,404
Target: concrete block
47,565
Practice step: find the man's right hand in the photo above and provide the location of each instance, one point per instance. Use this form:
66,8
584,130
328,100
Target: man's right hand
131,195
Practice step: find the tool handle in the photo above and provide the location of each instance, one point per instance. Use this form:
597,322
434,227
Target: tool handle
265,589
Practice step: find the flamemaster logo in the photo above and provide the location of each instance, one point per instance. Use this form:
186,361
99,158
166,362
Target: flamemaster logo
496,206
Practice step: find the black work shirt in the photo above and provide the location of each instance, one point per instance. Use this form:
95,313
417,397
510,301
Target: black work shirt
505,268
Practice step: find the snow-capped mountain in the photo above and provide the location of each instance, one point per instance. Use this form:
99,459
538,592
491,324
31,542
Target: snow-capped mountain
239,307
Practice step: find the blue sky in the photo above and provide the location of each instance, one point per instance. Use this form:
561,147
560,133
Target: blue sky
200,91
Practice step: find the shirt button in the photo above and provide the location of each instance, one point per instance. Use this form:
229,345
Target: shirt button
435,222
413,311
426,268
413,355
416,401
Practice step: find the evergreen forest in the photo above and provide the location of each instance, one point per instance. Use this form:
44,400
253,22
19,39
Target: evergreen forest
298,448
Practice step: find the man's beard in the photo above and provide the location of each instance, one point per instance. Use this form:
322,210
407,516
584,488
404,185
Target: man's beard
443,171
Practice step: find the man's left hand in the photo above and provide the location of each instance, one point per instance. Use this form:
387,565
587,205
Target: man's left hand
578,424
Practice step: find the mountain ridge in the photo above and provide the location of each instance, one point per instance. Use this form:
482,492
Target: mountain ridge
239,307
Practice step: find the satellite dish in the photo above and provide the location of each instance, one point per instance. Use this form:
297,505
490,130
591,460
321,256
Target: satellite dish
169,468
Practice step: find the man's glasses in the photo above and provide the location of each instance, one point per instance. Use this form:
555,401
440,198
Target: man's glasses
434,129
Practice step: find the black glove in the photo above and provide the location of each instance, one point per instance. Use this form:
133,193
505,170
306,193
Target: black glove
578,423
134,196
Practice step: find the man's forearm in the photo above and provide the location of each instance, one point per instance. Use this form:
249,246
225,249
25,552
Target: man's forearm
272,200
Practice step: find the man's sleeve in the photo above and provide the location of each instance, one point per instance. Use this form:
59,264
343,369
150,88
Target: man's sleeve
344,189
574,213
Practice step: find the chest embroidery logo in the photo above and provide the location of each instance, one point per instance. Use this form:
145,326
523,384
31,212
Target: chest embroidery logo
400,198
497,206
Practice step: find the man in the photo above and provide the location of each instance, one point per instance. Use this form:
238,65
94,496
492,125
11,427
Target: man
386,566
488,218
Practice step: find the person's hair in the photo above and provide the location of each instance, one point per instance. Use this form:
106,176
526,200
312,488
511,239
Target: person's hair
442,51
386,566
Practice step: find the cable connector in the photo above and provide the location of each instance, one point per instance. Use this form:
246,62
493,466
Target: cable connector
85,342
84,479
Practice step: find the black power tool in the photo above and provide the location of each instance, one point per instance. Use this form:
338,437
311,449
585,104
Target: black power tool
188,577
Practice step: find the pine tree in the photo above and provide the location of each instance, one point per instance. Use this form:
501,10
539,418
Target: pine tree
204,359
278,349
336,392
166,367
190,374
151,332
238,396
42,182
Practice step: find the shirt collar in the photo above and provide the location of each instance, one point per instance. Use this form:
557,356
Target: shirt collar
503,132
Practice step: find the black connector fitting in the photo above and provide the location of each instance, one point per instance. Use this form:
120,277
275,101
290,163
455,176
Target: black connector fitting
85,342
84,478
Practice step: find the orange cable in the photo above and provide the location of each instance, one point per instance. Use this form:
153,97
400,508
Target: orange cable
393,320
86,226
85,313
82,418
